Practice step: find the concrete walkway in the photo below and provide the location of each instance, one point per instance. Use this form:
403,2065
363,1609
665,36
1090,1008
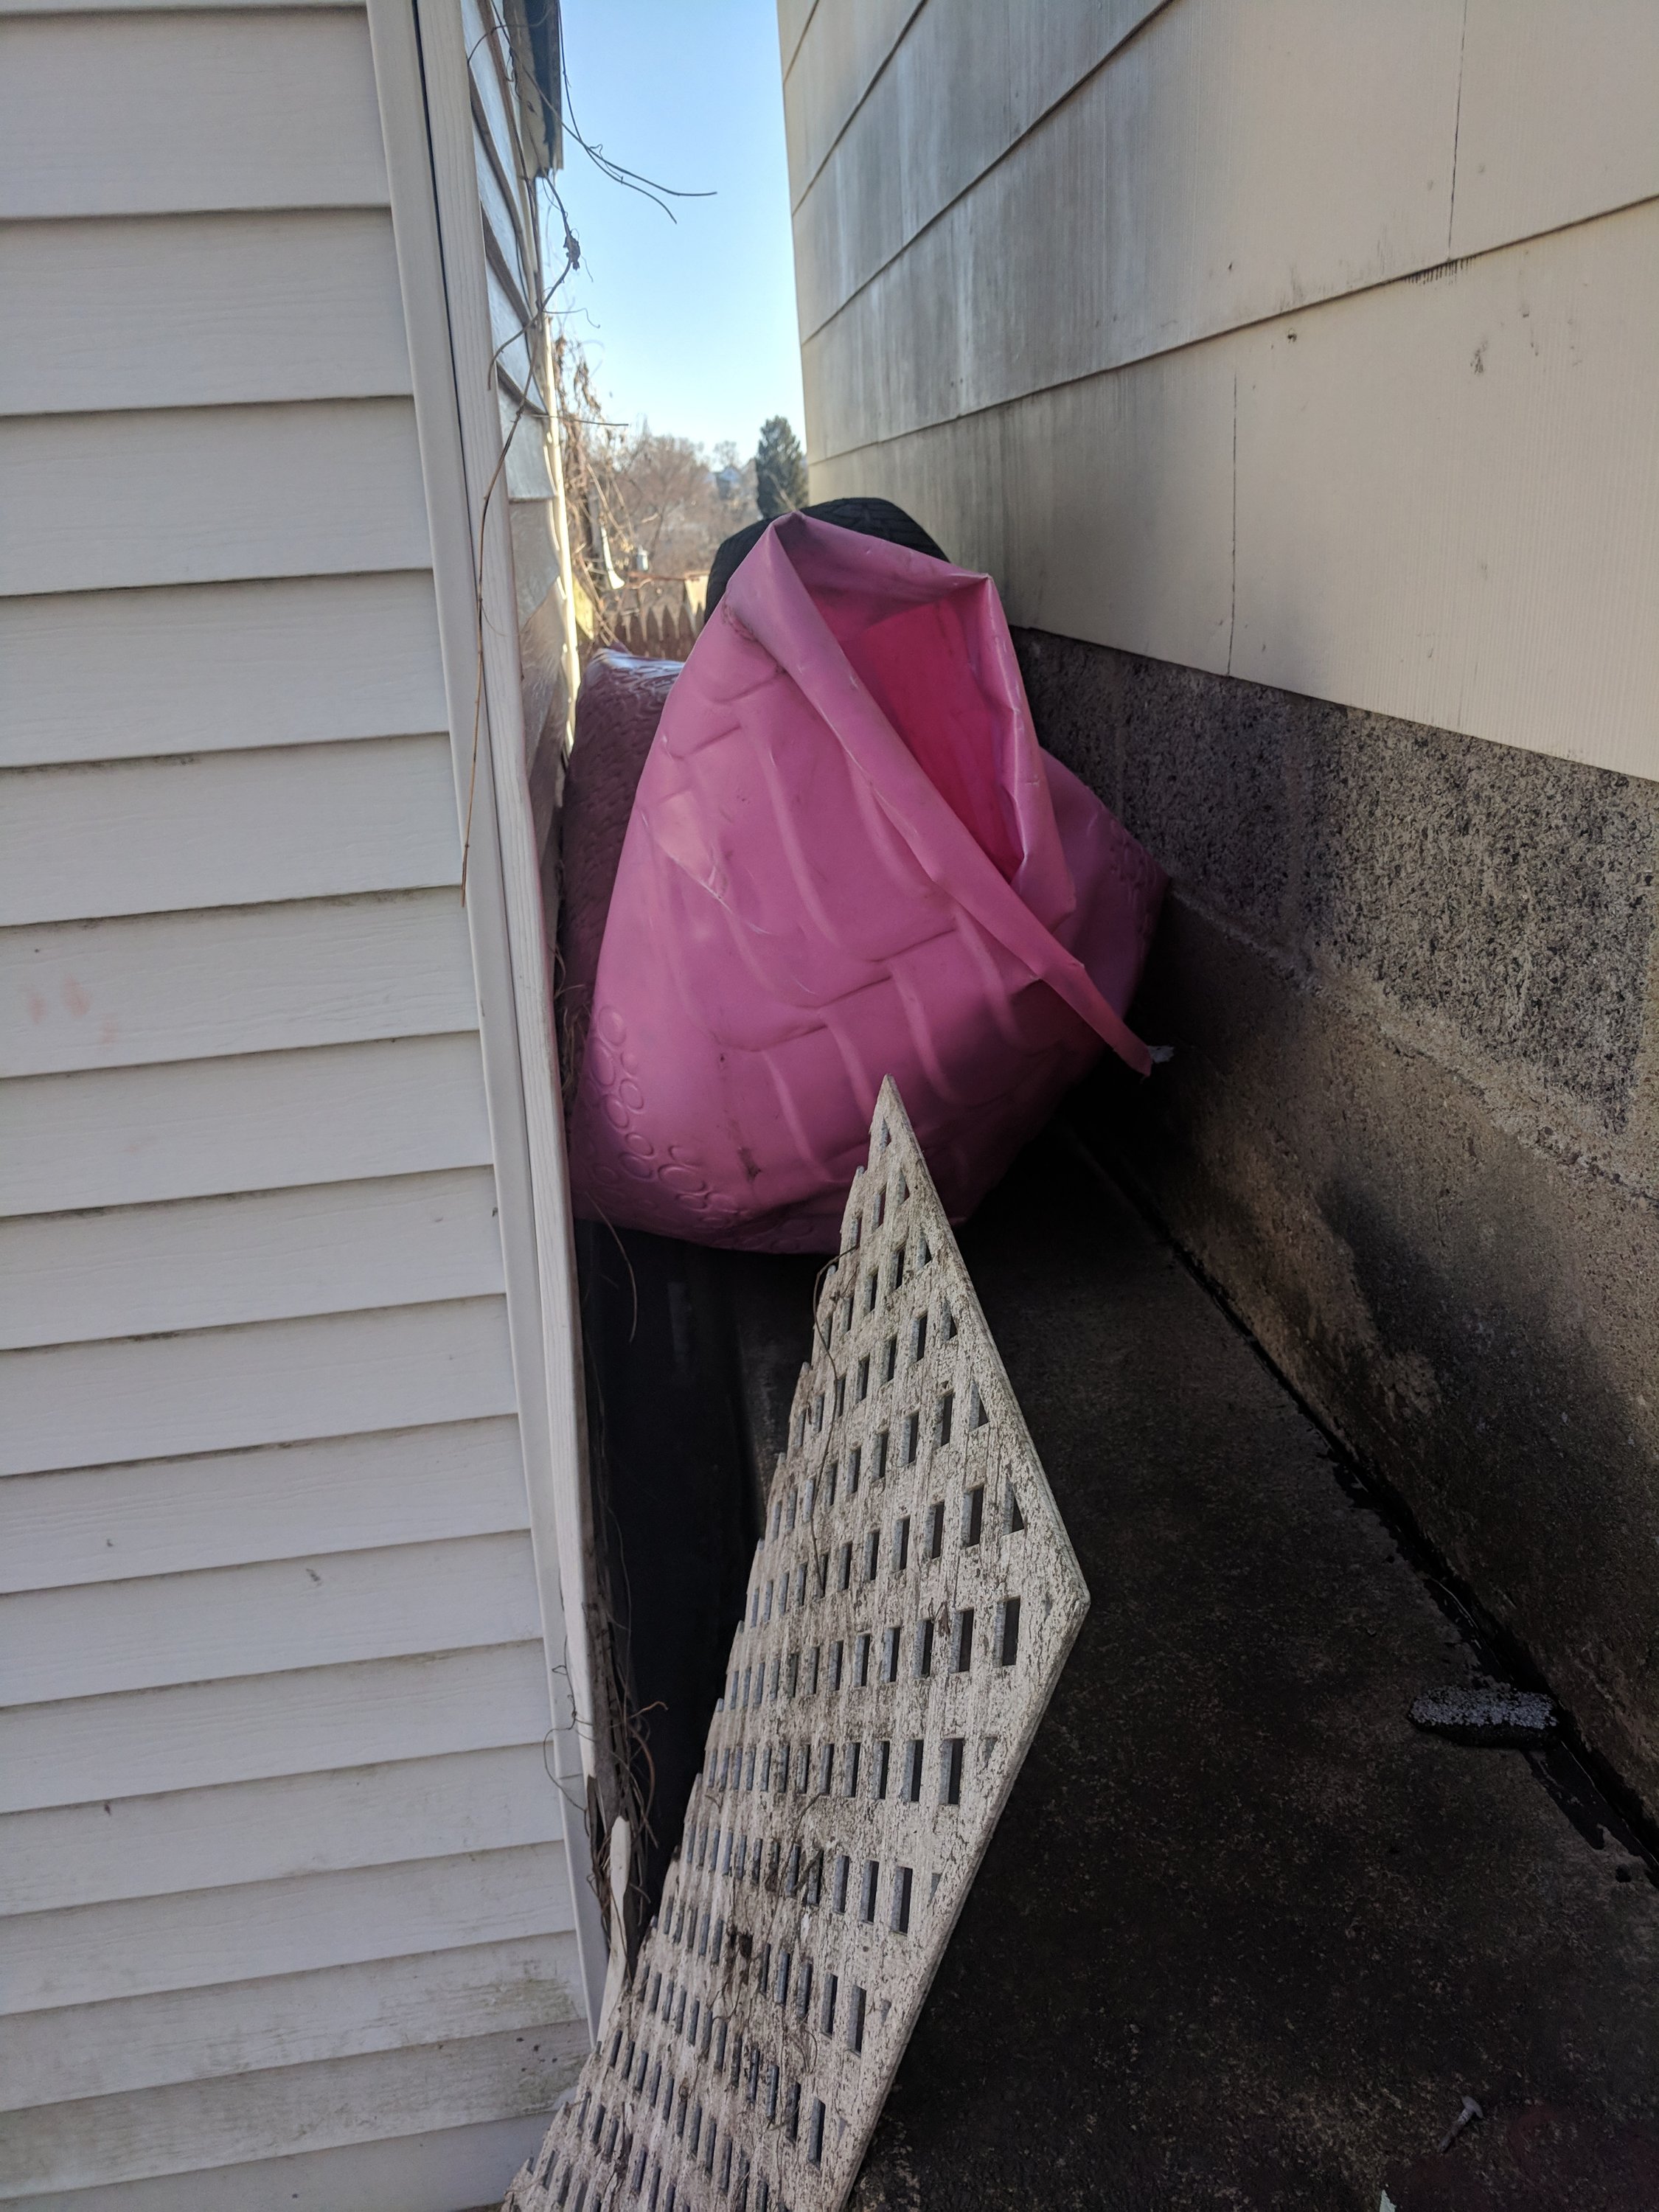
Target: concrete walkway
1245,1937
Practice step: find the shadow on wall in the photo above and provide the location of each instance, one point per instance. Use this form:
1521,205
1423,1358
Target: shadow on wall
1411,1128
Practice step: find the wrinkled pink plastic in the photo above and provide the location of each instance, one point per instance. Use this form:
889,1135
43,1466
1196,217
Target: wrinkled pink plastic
848,858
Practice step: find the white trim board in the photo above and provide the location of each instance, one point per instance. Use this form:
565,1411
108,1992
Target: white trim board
425,95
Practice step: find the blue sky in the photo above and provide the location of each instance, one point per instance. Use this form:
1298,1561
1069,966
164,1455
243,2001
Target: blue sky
689,322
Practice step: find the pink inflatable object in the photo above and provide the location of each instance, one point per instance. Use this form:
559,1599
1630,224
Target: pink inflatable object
848,858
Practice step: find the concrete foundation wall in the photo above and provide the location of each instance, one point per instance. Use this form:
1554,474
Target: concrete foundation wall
1411,1128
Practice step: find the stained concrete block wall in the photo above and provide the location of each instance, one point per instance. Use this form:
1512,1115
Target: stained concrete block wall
1411,1129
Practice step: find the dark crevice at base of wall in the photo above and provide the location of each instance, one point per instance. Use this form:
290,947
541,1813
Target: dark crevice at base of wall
676,1517
1410,1133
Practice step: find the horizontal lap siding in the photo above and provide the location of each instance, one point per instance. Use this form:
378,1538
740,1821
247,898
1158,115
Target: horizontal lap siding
343,2101
146,1271
433,2171
965,82
218,1838
76,2051
169,1516
249,1122
212,309
1160,353
830,60
171,113
241,828
203,1938
176,496
101,676
288,1918
324,1611
249,1727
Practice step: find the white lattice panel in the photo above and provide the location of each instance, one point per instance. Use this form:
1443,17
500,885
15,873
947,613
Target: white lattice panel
911,1605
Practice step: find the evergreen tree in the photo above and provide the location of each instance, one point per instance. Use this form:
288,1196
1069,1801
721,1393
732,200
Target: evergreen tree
780,470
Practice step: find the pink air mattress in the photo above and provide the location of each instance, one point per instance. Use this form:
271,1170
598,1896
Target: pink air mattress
848,858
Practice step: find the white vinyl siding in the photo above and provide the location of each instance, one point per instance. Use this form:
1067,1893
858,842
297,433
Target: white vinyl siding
288,1919
215,667
515,283
1300,342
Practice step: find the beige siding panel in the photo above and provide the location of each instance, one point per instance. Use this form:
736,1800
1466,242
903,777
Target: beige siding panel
191,495
280,1381
501,217
145,7
329,1611
345,2101
967,79
793,18
1105,506
1448,499
92,1525
316,1718
265,1121
159,114
287,2020
486,50
507,329
1560,117
210,309
235,980
1228,164
1390,552
271,1256
253,1832
203,1936
428,2172
840,51
213,667
238,829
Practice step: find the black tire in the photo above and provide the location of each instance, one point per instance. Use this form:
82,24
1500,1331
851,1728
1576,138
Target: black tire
871,518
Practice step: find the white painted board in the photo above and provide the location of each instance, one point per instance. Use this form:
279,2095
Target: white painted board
242,2117
170,1517
133,113
1448,498
965,82
832,58
1471,547
317,1717
198,494
286,2019
205,310
121,1136
1104,509
234,828
910,1606
224,1622
203,1937
253,1832
268,1255
433,2171
1557,118
1228,164
235,980
280,1381
290,660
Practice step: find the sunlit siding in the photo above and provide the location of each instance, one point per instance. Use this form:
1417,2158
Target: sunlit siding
1301,342
288,1921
